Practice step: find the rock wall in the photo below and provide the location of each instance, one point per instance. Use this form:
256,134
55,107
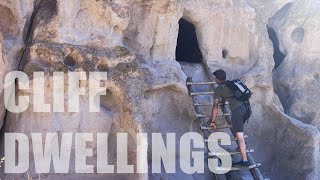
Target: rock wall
297,78
14,23
135,41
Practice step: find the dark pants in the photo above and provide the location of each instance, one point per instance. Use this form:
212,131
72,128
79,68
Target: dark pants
237,119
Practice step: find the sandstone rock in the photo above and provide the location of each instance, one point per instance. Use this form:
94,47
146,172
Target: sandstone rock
14,22
283,127
2,73
13,25
131,88
297,78
135,41
114,117
80,22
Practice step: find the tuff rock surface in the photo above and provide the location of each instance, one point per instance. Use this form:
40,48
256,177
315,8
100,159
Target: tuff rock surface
14,23
135,41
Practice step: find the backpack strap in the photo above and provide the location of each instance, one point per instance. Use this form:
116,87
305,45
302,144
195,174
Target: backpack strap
228,88
248,110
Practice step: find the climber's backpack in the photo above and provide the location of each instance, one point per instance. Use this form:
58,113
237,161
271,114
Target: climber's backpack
241,93
240,90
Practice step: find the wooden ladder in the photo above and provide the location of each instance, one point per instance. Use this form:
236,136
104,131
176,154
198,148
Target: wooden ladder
206,131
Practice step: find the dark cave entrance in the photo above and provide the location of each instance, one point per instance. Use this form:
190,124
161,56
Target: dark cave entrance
187,45
278,56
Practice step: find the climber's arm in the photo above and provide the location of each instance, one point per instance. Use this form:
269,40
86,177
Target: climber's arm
214,113
216,98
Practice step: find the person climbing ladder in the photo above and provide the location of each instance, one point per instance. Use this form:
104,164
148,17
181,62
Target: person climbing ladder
237,94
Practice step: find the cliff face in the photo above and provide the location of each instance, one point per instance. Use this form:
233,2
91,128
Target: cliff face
134,41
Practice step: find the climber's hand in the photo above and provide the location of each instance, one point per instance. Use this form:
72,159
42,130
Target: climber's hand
213,125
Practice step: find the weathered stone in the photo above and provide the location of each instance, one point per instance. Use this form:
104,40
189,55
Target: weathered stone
135,43
296,79
14,22
2,73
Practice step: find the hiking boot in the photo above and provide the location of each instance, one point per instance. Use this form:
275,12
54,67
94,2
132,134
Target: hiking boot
242,164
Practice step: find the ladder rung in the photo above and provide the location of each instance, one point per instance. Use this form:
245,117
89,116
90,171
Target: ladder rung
224,115
231,153
201,93
245,168
201,83
232,139
203,115
198,104
234,168
210,128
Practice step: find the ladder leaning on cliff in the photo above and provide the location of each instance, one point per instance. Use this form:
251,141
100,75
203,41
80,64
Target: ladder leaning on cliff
226,113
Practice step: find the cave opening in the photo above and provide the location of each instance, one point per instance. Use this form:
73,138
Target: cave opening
70,62
278,56
225,53
187,44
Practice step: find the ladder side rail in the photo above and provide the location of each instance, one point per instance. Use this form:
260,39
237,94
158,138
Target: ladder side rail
202,121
